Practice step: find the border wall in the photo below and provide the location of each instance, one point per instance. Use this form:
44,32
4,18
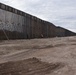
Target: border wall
15,24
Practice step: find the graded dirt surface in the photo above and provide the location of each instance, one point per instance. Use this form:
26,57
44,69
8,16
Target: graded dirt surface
51,56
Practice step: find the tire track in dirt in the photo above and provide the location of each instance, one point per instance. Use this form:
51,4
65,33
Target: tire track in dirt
31,66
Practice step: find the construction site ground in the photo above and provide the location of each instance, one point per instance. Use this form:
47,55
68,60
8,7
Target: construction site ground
45,56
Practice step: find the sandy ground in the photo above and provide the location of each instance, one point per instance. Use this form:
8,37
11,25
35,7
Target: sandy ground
51,56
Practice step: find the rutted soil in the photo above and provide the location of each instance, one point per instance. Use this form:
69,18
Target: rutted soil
31,66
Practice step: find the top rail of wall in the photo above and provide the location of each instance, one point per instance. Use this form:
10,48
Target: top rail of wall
11,9
19,12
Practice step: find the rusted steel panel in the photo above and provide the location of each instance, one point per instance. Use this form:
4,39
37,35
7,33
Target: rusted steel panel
8,21
2,19
28,26
39,27
35,28
24,27
2,23
52,30
8,25
43,29
60,32
32,27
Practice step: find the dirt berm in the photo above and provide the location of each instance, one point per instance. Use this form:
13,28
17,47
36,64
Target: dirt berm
31,66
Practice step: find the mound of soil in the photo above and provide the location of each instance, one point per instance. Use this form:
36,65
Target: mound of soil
31,66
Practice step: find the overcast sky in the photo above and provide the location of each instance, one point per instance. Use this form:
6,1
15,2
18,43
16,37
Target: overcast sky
60,12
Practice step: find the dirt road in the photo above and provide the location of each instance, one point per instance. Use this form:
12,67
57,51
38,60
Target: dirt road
51,56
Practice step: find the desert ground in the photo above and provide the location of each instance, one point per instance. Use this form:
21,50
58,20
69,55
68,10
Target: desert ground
45,56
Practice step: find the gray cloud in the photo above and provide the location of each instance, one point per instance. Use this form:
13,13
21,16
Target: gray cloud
60,12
